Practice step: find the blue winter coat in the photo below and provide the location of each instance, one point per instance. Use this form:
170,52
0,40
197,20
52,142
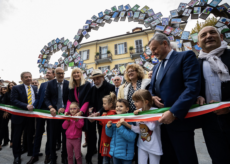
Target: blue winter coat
122,143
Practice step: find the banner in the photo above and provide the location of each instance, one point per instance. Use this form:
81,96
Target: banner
151,115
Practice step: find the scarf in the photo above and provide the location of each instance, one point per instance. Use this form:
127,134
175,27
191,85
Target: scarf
215,62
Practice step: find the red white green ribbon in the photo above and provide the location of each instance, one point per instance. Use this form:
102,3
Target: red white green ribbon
151,115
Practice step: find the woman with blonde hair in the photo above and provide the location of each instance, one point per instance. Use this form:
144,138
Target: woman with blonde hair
134,77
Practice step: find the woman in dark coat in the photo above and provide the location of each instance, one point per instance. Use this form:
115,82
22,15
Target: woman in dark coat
4,116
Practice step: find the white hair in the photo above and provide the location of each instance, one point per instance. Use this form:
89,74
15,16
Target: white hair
174,46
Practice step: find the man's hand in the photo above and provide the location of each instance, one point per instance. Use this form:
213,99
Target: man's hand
136,112
30,107
61,110
157,102
5,115
109,124
200,100
118,124
167,118
53,112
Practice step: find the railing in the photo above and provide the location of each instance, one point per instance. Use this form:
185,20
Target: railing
103,56
137,50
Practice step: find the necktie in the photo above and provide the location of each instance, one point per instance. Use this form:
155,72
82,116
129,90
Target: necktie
29,96
116,91
59,103
159,77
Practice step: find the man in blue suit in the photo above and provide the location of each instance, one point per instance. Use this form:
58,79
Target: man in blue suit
40,122
23,96
175,83
56,97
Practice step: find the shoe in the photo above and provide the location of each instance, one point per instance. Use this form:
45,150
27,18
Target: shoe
0,149
47,159
17,160
33,160
84,145
58,147
64,161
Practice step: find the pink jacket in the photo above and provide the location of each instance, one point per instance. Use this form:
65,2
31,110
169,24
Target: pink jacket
73,128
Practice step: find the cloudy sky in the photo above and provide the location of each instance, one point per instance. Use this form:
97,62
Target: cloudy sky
27,25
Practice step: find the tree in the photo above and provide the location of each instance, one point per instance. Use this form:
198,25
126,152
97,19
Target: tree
199,25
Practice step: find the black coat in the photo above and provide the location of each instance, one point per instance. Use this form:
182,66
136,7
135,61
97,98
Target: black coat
225,86
83,94
51,95
96,95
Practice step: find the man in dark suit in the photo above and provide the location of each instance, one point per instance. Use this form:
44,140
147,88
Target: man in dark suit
100,89
175,83
56,97
214,59
23,96
40,122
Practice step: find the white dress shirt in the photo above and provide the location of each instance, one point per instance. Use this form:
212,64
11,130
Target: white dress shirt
32,92
212,83
167,58
62,83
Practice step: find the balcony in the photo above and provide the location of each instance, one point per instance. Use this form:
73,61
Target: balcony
103,58
136,52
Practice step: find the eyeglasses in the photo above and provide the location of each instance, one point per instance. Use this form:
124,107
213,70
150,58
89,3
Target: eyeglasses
116,80
131,71
60,73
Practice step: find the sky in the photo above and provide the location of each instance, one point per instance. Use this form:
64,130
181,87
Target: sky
27,25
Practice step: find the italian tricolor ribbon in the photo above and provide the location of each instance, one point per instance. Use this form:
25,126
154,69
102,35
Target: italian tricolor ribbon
151,115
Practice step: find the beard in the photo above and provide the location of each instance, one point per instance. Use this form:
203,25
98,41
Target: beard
98,86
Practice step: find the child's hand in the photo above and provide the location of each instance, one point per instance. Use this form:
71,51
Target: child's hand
109,124
118,124
122,120
136,112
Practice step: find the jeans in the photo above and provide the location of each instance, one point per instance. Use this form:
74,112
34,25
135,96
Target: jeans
107,160
121,161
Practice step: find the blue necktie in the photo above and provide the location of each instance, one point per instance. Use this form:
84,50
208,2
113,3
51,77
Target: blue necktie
116,91
59,103
159,77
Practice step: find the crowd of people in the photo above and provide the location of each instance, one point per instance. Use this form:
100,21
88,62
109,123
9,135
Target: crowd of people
178,81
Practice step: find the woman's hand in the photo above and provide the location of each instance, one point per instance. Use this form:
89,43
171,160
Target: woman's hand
80,113
5,115
66,113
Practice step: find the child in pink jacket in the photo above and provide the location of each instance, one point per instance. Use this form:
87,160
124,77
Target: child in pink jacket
73,135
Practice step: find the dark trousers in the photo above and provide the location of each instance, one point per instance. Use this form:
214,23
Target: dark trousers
58,140
40,128
28,125
224,123
54,126
92,141
4,131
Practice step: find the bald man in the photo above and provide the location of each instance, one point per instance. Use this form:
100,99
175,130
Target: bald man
214,59
117,83
56,97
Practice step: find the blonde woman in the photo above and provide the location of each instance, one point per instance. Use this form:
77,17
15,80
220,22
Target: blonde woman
134,76
79,91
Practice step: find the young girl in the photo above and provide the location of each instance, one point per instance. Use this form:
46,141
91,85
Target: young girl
123,139
73,134
109,104
149,141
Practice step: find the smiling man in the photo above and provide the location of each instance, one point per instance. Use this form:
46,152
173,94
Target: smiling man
214,59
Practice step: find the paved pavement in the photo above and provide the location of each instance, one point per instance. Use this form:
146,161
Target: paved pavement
6,156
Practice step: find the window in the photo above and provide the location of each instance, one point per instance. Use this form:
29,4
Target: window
84,55
138,44
120,48
104,68
103,52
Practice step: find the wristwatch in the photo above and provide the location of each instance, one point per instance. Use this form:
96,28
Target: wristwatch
50,106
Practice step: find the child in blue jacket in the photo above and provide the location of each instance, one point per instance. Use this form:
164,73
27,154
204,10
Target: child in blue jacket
123,139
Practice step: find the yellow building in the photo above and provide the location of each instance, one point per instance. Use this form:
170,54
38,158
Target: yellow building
115,51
